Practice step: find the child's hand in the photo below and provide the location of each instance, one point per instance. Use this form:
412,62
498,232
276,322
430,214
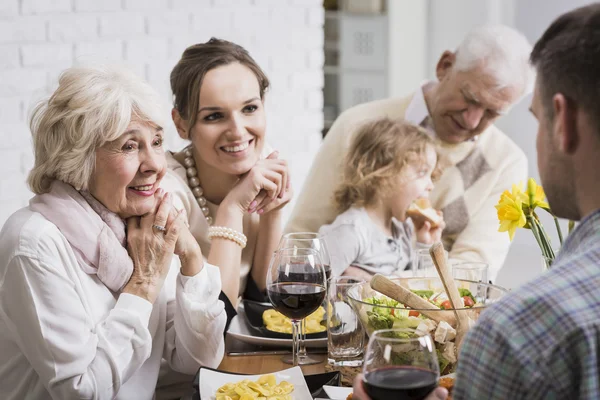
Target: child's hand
428,235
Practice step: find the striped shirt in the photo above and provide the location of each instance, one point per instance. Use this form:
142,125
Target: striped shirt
541,341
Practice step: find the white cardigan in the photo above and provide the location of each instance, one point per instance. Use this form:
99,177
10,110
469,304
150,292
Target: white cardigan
65,335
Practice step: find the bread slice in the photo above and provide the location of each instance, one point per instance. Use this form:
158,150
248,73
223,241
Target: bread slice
421,210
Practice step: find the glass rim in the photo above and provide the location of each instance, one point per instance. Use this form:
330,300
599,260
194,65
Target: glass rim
481,307
358,280
315,235
308,250
378,335
476,264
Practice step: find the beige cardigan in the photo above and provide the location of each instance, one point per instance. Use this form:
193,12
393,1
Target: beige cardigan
467,190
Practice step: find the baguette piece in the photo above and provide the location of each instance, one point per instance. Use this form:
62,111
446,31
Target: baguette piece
421,210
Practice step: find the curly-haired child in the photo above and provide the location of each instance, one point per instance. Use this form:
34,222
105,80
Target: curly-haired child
389,165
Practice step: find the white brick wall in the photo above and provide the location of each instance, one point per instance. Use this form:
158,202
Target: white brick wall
39,38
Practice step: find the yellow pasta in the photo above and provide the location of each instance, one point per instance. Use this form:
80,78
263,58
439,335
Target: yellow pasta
265,388
277,322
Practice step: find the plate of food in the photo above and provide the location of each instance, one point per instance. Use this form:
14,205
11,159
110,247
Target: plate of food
240,329
264,320
288,384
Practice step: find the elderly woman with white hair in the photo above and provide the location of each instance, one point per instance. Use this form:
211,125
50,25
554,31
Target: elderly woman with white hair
100,278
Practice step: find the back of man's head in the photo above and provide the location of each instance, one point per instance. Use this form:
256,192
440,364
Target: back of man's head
567,59
503,52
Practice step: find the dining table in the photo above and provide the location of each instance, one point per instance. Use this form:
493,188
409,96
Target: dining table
262,362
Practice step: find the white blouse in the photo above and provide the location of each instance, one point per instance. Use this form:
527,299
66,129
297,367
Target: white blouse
65,335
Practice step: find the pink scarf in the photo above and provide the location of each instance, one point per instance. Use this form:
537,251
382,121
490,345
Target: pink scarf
96,234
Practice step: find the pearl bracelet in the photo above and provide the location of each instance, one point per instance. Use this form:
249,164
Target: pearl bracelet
227,233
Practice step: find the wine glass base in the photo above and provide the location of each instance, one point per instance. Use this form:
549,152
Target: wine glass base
357,362
302,360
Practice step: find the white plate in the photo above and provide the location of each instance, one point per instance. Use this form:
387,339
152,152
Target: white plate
337,392
240,330
210,381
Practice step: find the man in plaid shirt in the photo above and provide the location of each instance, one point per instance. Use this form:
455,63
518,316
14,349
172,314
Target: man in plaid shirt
542,341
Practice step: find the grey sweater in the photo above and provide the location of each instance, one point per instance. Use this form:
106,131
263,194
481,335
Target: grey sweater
354,239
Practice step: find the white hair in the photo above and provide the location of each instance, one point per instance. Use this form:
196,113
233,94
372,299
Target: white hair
91,106
503,52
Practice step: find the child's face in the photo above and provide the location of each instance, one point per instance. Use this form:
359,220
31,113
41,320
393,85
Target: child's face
413,184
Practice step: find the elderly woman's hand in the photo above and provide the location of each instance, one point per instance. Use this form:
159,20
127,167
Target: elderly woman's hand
187,247
359,391
152,248
266,182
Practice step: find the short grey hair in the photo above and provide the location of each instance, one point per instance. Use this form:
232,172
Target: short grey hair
504,53
93,105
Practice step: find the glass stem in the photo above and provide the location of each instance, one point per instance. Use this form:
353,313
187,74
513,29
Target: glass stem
296,342
302,351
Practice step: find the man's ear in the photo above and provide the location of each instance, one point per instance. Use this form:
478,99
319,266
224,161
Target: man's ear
181,124
445,64
565,127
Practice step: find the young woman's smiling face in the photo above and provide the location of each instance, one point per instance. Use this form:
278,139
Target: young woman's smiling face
229,132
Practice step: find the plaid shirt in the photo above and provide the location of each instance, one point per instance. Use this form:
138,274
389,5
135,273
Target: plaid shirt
541,341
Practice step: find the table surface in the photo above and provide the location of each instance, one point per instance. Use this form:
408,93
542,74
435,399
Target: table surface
264,364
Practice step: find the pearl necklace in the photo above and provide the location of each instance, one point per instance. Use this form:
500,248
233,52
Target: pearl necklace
194,182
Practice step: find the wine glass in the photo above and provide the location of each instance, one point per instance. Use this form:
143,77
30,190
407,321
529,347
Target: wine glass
400,364
296,287
315,241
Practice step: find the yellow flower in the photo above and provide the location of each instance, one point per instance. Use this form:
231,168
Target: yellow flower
510,210
536,195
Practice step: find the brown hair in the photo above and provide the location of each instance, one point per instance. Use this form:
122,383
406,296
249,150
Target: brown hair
195,62
567,58
378,153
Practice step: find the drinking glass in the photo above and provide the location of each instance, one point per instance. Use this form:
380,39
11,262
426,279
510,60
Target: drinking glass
470,271
400,364
296,287
345,333
423,265
310,240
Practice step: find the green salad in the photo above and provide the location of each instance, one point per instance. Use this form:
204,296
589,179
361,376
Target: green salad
391,314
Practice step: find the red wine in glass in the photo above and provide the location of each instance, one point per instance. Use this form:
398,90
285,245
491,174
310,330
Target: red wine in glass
296,300
299,273
400,383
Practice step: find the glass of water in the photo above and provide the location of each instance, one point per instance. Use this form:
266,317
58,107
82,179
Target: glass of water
423,266
470,271
345,334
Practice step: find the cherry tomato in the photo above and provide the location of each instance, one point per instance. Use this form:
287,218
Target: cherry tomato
446,305
413,313
468,301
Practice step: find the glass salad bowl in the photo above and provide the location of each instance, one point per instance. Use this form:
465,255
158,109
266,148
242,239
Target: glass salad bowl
377,311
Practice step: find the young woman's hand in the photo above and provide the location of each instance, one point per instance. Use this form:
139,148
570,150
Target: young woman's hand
260,186
427,234
264,201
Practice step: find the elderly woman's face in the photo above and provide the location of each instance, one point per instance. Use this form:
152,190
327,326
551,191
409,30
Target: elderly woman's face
129,170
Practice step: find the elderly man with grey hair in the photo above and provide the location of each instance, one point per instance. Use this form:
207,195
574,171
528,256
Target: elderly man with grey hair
480,81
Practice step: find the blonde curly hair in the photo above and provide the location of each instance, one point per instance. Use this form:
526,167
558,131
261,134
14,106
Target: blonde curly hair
379,152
